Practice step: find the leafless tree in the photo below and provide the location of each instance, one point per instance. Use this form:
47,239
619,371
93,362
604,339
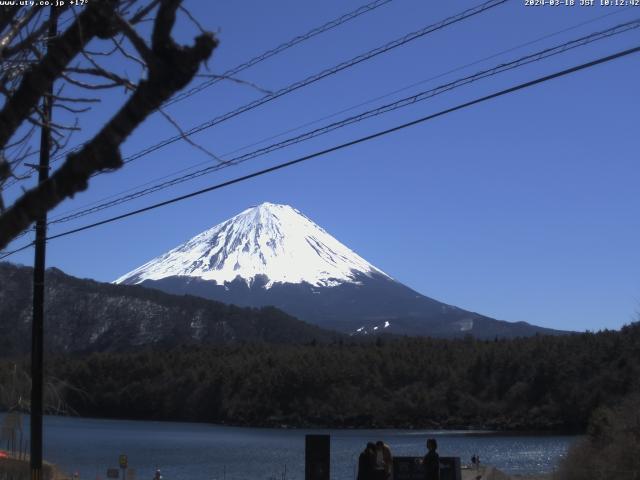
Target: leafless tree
15,400
97,45
15,390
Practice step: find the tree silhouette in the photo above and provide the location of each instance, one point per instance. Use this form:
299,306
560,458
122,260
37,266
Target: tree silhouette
79,62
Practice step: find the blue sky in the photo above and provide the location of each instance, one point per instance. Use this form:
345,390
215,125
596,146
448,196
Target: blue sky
522,208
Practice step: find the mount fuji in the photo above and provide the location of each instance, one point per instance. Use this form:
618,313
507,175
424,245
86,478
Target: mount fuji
274,255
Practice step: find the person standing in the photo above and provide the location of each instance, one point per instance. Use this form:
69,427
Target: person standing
431,461
384,462
366,462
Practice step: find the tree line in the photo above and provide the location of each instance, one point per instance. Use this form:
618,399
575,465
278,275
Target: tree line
537,383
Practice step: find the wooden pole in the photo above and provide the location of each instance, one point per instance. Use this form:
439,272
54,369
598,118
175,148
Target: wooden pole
37,335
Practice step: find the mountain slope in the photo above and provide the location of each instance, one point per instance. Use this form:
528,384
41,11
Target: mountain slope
371,306
274,255
272,241
84,315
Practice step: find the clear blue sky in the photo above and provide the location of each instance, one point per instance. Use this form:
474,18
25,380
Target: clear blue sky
523,208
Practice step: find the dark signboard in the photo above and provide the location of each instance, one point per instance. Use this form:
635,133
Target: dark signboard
113,473
317,458
410,468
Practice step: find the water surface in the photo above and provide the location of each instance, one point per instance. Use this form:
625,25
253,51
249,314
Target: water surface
190,451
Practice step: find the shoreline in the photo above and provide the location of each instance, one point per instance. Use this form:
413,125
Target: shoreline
12,465
469,430
489,472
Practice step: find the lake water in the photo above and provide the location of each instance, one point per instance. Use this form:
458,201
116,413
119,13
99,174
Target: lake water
188,451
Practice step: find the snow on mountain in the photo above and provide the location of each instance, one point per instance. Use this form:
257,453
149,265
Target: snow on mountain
274,255
276,241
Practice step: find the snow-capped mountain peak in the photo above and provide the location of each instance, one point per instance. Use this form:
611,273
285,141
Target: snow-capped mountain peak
271,240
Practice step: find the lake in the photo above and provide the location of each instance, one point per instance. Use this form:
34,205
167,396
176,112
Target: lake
190,451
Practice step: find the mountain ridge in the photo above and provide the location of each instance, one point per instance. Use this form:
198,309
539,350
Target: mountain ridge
274,255
83,315
373,306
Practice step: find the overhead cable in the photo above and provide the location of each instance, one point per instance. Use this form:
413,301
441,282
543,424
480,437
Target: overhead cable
351,143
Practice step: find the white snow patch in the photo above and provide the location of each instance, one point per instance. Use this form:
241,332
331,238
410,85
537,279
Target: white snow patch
276,241
466,325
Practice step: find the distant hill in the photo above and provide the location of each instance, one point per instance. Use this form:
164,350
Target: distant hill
88,316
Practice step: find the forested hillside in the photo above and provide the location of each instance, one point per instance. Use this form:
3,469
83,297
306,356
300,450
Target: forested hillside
88,316
546,382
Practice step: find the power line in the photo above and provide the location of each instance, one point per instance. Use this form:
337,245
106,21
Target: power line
351,143
12,252
321,75
325,73
367,102
280,48
330,25
401,103
308,80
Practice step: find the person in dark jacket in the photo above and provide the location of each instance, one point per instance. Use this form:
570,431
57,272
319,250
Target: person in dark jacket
384,461
366,462
431,461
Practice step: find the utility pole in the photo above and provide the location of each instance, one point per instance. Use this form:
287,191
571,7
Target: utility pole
37,335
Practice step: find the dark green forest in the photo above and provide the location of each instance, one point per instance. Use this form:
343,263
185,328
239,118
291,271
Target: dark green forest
538,383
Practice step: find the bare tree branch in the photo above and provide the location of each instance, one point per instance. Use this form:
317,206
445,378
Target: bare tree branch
126,54
71,109
29,39
143,12
186,138
7,14
193,19
90,86
16,28
136,40
61,51
101,72
170,68
53,125
77,99
105,53
21,140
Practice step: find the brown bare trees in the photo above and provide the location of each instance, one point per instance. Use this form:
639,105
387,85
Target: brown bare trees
80,62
